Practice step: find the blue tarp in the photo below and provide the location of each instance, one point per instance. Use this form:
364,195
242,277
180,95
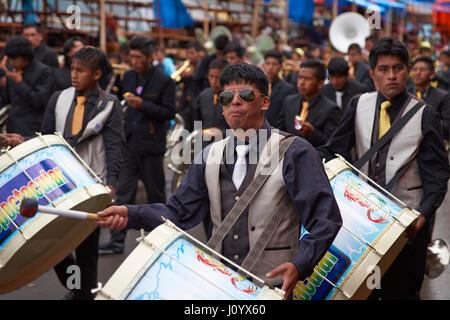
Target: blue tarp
301,11
173,14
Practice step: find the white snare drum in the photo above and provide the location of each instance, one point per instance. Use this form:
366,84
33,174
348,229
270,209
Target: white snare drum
168,266
372,236
45,168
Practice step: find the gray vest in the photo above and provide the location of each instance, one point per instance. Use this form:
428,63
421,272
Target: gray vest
284,243
402,149
93,153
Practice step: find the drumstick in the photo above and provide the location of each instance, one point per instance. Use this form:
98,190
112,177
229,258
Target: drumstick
29,207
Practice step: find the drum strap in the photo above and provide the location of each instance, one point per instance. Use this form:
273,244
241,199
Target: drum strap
387,136
248,195
261,243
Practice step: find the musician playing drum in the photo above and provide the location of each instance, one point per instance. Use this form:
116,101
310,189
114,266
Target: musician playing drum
217,180
411,163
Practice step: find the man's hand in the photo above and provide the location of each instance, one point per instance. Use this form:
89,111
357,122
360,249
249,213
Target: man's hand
11,139
289,272
117,217
15,76
412,230
307,128
134,101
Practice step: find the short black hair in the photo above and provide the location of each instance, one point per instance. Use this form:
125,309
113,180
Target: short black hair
274,54
31,25
218,63
354,46
447,53
93,58
194,44
70,43
143,44
19,46
311,47
372,38
318,66
245,73
427,60
338,67
221,42
234,47
388,46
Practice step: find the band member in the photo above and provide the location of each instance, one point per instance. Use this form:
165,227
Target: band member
151,105
27,87
359,69
278,88
412,165
200,81
89,120
212,187
187,99
310,114
207,107
234,53
340,89
422,72
443,76
62,76
42,52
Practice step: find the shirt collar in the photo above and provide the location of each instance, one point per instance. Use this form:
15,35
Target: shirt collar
397,101
90,94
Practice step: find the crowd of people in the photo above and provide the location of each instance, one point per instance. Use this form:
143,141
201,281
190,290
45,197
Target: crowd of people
318,102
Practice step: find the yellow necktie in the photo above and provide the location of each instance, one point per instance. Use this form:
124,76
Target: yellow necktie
385,122
304,113
78,113
215,99
270,88
419,94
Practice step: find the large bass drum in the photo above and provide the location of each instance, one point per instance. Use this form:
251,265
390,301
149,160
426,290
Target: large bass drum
370,239
169,265
48,169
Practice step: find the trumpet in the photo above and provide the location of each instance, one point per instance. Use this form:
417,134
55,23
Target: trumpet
176,76
120,69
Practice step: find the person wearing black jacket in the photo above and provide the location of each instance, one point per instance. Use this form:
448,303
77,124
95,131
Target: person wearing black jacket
42,52
359,68
422,72
29,85
413,162
278,88
150,96
319,115
62,75
340,89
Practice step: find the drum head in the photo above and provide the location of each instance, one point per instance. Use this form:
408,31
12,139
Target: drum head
44,168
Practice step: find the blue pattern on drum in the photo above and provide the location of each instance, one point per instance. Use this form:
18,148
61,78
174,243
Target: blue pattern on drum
366,213
63,158
168,279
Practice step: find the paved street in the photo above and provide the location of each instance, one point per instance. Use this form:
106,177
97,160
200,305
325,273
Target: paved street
47,287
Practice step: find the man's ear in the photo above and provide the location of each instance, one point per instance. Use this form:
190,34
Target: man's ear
266,103
321,82
98,74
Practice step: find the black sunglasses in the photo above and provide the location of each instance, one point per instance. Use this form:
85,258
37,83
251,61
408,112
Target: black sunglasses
246,95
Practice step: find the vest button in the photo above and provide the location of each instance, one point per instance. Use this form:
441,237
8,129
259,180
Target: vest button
378,164
235,257
236,198
235,237
252,228
392,158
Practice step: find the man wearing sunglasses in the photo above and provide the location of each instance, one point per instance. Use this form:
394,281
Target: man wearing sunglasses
220,174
